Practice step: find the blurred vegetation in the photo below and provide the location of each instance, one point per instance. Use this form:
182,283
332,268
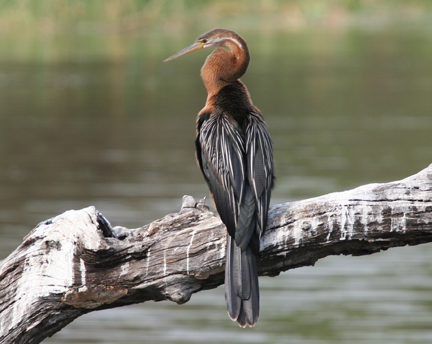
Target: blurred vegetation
54,29
51,17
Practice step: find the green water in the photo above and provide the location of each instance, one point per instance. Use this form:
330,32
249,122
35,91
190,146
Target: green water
343,108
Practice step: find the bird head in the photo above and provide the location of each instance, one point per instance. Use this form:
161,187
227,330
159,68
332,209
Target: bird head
210,39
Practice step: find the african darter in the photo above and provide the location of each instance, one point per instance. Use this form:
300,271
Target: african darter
234,153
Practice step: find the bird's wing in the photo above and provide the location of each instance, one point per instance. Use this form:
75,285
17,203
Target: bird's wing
259,151
220,154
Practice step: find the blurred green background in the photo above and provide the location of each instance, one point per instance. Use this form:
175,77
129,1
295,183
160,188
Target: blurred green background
62,30
89,115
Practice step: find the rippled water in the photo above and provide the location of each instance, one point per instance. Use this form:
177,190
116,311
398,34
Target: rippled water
343,109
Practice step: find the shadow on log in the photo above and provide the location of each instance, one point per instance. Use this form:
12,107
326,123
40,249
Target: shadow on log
76,262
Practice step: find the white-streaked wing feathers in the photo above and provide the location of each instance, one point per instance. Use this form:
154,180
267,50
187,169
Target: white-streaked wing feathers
259,149
235,159
222,149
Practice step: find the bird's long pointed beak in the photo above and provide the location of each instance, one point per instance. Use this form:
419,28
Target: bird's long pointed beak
189,49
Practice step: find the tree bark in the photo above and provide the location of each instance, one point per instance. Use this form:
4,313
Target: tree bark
76,262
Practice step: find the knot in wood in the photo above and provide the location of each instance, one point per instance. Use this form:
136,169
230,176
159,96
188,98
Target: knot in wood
306,226
188,202
180,297
201,205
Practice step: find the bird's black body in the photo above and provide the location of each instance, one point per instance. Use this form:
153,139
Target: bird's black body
234,153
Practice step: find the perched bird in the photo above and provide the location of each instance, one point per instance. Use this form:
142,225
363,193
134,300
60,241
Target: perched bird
234,152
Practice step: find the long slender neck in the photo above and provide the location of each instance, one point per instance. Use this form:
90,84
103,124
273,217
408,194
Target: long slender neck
224,67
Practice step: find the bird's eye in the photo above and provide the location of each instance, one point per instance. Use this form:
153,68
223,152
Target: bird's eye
204,41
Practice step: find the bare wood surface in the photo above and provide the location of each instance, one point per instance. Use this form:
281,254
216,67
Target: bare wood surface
76,262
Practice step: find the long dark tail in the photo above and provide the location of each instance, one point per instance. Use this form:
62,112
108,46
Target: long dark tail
241,284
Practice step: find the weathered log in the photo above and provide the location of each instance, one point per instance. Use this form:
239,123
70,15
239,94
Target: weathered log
76,262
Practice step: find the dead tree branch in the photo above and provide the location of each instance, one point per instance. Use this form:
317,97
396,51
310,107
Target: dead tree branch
76,262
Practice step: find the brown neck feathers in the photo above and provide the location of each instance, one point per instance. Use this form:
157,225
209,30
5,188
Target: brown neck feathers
224,67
